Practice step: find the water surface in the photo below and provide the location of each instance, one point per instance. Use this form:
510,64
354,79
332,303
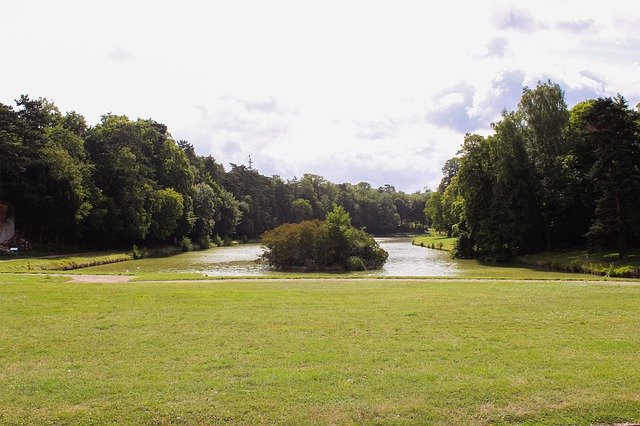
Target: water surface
405,259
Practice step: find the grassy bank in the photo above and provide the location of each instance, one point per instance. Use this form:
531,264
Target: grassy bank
64,262
323,351
604,262
435,241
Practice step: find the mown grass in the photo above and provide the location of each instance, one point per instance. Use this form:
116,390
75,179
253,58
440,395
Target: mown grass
321,351
435,241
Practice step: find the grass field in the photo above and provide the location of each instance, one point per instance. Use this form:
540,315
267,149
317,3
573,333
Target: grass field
322,351
435,241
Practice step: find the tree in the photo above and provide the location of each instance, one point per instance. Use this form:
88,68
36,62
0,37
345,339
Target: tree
449,170
166,208
204,210
433,212
301,210
613,131
546,119
230,213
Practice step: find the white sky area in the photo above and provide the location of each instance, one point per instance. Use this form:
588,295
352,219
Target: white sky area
353,90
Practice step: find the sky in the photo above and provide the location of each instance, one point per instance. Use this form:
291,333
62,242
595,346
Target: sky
373,91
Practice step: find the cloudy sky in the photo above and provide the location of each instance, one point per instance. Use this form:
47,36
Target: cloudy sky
353,90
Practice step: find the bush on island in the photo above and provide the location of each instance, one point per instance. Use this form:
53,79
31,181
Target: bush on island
331,244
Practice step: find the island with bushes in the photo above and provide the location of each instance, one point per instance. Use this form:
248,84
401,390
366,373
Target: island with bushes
323,245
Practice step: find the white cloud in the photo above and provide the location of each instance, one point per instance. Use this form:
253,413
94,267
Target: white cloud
120,55
350,90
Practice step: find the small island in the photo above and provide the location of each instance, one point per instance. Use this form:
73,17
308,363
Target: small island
323,245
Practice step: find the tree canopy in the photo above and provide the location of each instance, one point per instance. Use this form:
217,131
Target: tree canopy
125,181
547,177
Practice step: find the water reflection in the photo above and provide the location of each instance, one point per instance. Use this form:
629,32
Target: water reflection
405,259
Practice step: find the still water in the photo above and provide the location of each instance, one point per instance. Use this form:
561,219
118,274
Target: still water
405,259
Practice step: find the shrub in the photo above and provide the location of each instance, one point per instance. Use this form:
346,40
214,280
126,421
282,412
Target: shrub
205,242
227,241
186,244
217,240
135,252
322,245
354,263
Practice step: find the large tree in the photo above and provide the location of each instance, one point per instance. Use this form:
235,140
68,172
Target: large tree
546,120
613,131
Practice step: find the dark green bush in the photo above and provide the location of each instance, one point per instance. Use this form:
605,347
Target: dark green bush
322,245
135,252
186,244
217,240
205,242
354,263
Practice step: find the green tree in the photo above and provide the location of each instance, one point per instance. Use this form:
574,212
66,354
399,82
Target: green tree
301,209
205,211
613,131
166,208
546,120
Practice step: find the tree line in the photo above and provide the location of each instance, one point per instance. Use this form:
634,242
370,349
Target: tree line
126,181
547,177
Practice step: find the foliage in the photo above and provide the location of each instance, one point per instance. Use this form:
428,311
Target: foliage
615,137
546,177
322,245
127,181
186,244
354,263
136,253
205,242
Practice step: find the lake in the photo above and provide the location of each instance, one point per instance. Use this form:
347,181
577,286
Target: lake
405,259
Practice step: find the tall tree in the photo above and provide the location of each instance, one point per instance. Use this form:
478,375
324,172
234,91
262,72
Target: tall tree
546,118
613,131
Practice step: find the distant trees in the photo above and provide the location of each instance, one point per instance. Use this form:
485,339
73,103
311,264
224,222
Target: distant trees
127,181
545,178
143,177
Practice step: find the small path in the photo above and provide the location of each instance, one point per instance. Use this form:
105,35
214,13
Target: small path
99,278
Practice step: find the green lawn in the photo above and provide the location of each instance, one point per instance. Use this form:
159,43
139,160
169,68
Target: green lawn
321,351
435,241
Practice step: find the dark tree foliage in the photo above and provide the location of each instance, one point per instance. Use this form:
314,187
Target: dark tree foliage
547,177
127,181
612,131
